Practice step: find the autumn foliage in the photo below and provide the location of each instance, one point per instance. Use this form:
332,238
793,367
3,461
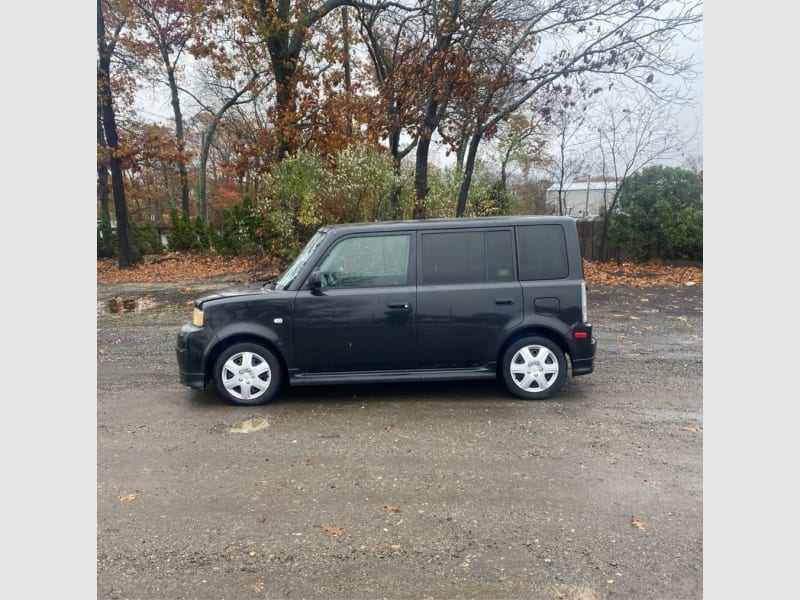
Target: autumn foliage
179,266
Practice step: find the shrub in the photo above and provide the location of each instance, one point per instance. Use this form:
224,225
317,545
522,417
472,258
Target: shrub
181,234
661,216
243,230
106,238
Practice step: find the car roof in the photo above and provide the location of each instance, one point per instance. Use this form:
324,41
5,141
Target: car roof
448,223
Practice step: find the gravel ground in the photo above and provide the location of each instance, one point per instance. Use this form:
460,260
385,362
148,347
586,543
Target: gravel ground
452,490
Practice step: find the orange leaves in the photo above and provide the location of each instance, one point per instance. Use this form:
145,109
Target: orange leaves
694,427
126,497
179,266
182,266
338,531
640,275
638,524
333,530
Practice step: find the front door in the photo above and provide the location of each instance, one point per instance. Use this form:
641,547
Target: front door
363,317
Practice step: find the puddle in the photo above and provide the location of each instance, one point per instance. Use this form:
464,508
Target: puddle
254,424
125,305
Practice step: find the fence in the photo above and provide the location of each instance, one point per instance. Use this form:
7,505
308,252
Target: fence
589,234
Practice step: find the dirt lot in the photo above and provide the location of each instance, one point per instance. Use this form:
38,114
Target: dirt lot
404,491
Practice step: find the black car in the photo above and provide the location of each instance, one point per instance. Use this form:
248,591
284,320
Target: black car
437,299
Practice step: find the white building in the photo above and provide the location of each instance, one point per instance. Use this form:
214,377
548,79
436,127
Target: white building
582,199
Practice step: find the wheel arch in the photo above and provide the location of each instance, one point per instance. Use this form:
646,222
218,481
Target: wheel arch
243,338
533,330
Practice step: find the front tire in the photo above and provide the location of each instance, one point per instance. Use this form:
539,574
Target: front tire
534,368
247,375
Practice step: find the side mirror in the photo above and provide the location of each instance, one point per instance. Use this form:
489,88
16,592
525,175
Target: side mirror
315,280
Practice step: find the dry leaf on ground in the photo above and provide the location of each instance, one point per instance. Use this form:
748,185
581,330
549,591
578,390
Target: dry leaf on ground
183,266
333,530
638,524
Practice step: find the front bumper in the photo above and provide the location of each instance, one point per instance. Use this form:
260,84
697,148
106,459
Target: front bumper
189,352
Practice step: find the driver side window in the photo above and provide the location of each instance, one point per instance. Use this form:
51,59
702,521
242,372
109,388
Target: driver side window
365,261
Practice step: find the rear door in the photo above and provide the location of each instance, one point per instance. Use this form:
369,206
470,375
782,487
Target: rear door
467,296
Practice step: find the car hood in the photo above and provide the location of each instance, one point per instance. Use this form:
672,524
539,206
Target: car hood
248,289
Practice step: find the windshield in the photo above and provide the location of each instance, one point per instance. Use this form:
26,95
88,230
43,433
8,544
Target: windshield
299,262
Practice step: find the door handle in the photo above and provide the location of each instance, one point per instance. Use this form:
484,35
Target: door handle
403,305
504,301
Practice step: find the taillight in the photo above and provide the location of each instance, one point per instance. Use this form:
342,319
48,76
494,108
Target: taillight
584,312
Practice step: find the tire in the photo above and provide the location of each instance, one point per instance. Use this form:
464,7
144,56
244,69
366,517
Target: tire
534,368
247,375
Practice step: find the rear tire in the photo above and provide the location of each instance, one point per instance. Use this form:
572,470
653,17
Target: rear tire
247,375
534,368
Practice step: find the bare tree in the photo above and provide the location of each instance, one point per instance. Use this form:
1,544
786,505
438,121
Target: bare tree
568,157
162,37
391,38
561,42
632,131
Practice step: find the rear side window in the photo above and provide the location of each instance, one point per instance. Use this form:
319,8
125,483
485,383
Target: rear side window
542,252
467,257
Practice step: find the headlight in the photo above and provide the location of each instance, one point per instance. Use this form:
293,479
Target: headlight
197,317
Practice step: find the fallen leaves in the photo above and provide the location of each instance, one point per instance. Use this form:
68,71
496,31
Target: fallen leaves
694,427
180,266
126,497
640,275
333,530
183,266
638,524
391,508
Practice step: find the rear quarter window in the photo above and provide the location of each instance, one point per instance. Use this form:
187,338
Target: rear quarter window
542,251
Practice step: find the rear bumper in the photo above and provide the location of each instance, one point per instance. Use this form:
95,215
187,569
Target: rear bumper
582,350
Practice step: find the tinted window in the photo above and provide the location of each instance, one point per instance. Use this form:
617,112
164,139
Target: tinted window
367,261
499,256
542,252
467,257
457,257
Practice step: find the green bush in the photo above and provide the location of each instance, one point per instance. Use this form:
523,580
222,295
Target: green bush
661,216
106,238
181,235
243,230
145,239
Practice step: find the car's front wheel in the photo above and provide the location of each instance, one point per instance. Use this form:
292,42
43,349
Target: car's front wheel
247,375
534,368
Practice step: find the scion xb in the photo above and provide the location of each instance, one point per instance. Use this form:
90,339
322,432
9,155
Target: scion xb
425,300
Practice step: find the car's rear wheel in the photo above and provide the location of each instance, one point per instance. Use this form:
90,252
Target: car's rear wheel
247,375
534,368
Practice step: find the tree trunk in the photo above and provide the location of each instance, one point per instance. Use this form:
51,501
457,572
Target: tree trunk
423,150
346,51
179,136
205,147
421,177
469,168
125,255
102,166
